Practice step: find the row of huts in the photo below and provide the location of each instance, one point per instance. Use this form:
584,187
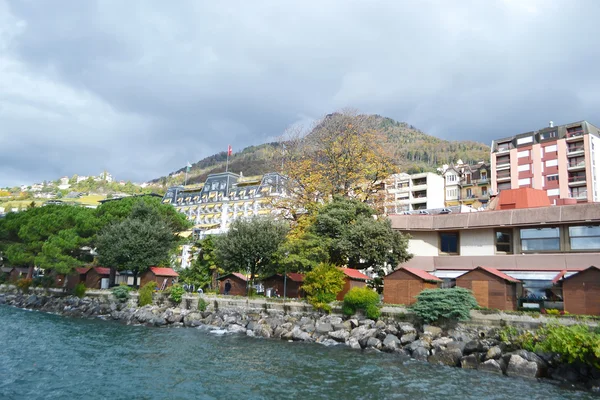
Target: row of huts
496,290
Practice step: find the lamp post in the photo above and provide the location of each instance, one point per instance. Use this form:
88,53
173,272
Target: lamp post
285,279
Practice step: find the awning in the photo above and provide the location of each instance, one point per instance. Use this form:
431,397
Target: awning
166,201
185,234
209,206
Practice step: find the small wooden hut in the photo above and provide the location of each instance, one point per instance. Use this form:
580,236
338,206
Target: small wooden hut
76,277
492,288
581,292
353,278
94,276
164,277
238,284
19,273
404,284
293,283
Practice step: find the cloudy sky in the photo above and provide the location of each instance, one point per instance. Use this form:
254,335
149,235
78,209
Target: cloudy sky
140,87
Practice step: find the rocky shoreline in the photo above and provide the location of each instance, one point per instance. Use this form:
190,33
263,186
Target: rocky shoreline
459,346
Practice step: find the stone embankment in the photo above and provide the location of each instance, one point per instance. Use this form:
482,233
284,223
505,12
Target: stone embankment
462,346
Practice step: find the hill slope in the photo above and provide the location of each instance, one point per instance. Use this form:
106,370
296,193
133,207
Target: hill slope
413,151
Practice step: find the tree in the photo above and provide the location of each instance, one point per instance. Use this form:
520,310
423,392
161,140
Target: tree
204,269
250,245
50,237
342,155
322,285
137,242
302,250
358,240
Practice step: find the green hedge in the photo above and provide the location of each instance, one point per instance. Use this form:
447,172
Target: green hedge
363,299
145,294
450,304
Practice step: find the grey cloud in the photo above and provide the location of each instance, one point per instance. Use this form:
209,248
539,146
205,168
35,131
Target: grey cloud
141,87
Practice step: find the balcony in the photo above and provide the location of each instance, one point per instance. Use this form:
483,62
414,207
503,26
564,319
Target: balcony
503,177
577,180
466,182
482,181
573,136
576,165
575,150
504,148
581,194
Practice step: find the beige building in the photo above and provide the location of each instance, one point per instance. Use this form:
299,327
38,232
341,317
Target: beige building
562,160
411,192
466,184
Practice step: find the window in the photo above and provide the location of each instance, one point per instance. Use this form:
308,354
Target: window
469,193
553,192
504,241
524,167
550,149
523,140
552,177
503,186
451,178
484,190
540,239
524,153
584,237
551,163
449,242
548,135
524,181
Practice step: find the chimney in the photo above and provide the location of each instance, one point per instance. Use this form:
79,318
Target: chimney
551,124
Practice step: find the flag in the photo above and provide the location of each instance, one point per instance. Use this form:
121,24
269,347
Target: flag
229,150
188,166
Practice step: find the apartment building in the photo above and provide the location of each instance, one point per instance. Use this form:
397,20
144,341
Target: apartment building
466,184
533,244
562,160
410,192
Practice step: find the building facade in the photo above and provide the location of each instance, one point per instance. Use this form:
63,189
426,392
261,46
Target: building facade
466,184
404,192
562,160
225,197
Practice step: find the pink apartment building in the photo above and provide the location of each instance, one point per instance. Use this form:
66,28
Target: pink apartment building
562,160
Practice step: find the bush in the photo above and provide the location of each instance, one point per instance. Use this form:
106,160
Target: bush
24,284
363,299
572,343
3,277
121,292
176,293
202,304
322,285
79,290
449,304
145,294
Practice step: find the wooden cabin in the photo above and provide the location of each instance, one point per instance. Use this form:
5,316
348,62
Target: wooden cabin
19,273
237,281
581,292
76,277
353,278
164,277
293,282
492,288
404,284
94,276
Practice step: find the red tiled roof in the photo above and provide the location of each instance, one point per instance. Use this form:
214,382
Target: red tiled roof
355,274
102,270
558,277
296,277
499,274
591,267
426,276
82,270
163,271
522,198
236,274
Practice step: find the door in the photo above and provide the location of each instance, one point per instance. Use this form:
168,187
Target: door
480,291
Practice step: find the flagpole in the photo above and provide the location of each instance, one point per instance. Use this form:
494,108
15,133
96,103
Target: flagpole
227,164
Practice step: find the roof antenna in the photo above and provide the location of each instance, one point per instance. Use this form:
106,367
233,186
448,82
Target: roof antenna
551,124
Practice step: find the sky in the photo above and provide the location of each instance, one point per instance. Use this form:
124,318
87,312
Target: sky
140,87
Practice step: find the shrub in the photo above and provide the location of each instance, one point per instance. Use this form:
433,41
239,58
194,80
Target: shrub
145,294
24,284
79,290
202,304
450,304
363,299
322,285
572,343
3,277
176,293
552,311
121,292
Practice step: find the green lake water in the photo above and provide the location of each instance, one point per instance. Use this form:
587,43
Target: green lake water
52,357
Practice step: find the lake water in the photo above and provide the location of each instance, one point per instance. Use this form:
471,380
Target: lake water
52,357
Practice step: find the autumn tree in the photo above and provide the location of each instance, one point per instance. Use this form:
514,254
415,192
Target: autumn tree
342,155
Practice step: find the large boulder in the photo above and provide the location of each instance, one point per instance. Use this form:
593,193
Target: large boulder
353,343
493,353
469,362
518,366
446,357
441,343
391,343
391,329
340,335
408,337
324,327
299,334
368,322
406,328
432,331
235,328
456,345
492,366
374,343
419,344
420,354
363,332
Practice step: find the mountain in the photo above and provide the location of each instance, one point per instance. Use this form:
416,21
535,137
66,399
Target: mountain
413,151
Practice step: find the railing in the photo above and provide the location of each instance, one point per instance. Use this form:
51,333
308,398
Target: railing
572,149
503,175
579,195
574,134
577,178
576,164
505,147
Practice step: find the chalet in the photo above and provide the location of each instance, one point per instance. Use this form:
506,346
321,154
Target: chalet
164,277
97,277
492,288
404,284
293,285
581,292
236,282
353,278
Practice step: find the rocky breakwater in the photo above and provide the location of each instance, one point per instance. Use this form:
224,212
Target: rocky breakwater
461,346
